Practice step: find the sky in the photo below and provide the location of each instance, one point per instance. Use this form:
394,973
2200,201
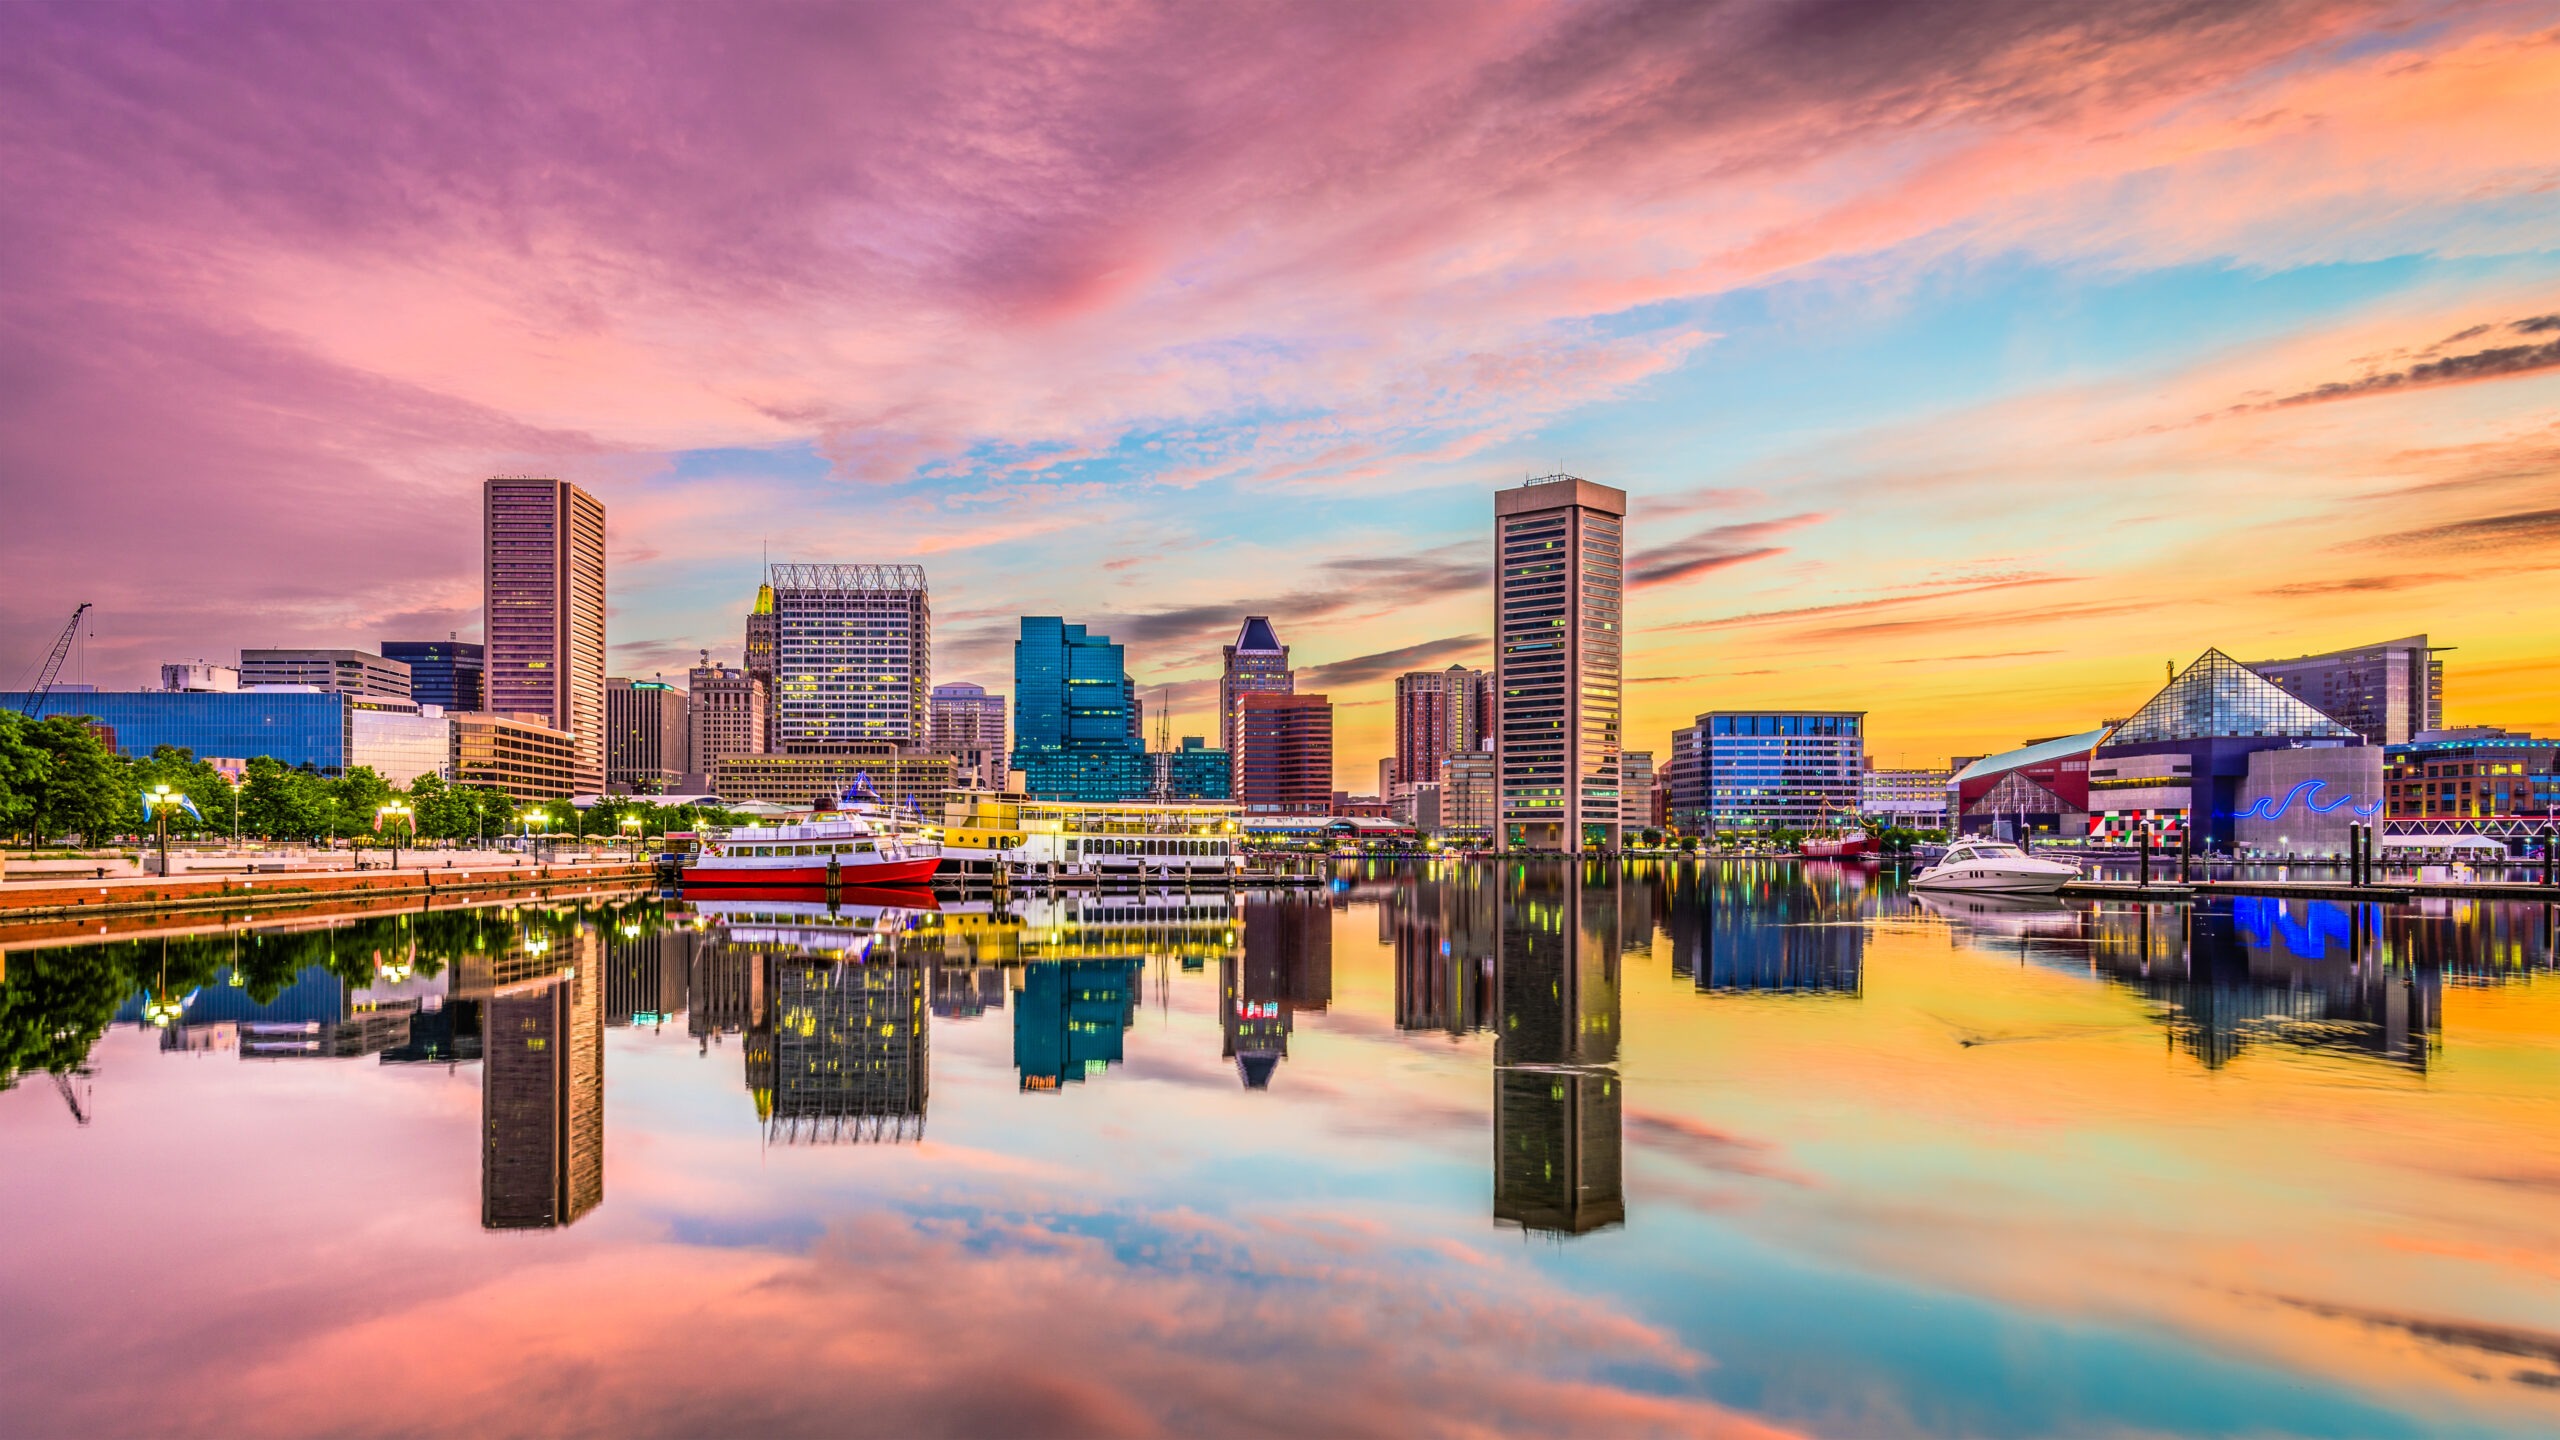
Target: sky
1964,364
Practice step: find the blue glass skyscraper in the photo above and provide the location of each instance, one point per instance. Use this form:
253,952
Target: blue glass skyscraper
1075,731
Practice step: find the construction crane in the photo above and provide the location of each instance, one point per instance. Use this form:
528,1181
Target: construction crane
33,707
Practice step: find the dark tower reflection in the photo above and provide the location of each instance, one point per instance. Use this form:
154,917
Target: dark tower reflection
1767,928
1556,1107
845,1051
542,1083
646,969
1283,966
1069,1017
1442,929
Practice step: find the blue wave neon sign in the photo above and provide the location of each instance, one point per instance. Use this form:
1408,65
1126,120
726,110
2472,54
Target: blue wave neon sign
2308,792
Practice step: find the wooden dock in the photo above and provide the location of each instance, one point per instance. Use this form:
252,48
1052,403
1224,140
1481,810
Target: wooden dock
2393,892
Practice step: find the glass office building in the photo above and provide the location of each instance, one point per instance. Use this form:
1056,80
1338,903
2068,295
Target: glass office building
1781,769
1075,734
441,672
330,733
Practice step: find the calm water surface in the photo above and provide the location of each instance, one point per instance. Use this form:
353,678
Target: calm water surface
1751,1148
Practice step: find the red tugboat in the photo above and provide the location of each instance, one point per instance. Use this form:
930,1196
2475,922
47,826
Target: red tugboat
859,845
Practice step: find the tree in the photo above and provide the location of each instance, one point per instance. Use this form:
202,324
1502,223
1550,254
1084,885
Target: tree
84,789
279,801
22,770
180,770
356,801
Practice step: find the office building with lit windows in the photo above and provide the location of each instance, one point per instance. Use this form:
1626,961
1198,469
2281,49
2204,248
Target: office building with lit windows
1286,759
967,724
1257,664
543,593
853,654
441,672
647,744
1439,713
1075,733
1781,769
1559,661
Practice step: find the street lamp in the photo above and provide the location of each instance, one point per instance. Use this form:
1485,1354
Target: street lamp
395,813
637,827
156,802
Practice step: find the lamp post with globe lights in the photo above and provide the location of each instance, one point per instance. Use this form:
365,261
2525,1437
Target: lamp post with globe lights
395,814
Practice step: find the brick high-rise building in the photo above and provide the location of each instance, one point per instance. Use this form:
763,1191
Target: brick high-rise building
1559,644
725,714
1285,754
1256,664
544,595
1439,713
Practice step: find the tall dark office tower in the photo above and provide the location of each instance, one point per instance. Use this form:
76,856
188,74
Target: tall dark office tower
1439,713
648,739
1073,738
1559,642
1256,664
542,1098
1557,1135
544,596
441,672
2387,692
853,654
1284,759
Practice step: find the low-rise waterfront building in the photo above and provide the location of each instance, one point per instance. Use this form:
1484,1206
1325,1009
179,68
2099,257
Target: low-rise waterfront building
2041,787
518,754
909,781
2306,800
1469,797
344,672
1192,772
1912,798
2475,773
2210,717
298,726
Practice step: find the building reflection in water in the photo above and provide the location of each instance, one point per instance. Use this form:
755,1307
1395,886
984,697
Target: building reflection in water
1284,965
1441,927
647,968
1069,1017
542,1081
2363,981
1768,928
845,1048
1557,1162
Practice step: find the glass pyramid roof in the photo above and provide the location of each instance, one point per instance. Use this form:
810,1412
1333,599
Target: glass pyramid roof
2218,696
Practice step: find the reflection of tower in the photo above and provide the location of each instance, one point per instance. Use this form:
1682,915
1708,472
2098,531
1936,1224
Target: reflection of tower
542,1097
726,992
849,1058
1442,930
645,975
1284,965
1069,1017
1556,1113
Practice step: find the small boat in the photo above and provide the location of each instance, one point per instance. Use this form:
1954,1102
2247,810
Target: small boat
861,845
1846,845
1995,866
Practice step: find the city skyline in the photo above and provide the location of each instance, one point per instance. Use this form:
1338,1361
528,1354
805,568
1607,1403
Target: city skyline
2047,347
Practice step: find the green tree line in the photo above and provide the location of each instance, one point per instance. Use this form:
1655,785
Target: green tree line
58,781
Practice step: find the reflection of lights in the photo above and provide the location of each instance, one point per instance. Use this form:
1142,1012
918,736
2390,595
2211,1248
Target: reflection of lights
537,944
631,932
161,1014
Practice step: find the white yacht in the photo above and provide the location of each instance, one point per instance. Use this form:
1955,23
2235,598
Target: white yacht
1997,866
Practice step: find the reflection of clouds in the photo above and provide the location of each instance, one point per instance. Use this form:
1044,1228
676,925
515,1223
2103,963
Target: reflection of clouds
1021,1326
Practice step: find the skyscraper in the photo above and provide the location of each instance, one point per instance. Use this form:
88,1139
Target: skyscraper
1256,664
1073,738
1558,661
648,740
544,594
1438,714
441,672
1285,756
968,724
853,654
